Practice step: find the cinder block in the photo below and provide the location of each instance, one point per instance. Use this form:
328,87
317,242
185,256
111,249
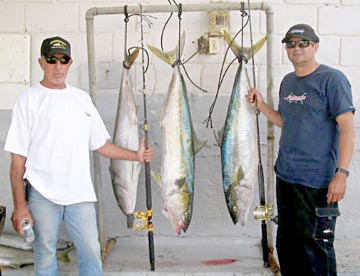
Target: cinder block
51,17
349,26
9,94
5,118
12,17
288,15
329,50
350,54
353,73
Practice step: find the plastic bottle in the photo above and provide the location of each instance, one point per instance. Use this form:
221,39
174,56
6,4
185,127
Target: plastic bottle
28,231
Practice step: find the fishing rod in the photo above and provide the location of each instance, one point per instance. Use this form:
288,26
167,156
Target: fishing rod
262,198
147,164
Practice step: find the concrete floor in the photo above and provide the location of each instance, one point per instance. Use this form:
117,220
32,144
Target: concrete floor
187,256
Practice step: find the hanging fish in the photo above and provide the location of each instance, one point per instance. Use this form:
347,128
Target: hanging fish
238,140
124,173
179,146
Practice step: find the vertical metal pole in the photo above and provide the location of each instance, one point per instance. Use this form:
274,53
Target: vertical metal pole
270,132
96,157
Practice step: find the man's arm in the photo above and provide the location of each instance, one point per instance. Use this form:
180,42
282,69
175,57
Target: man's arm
17,170
337,186
272,115
112,151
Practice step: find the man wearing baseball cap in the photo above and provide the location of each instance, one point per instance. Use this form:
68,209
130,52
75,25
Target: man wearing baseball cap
53,128
315,114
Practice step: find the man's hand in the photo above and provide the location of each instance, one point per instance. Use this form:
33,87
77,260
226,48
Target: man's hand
145,155
255,98
18,215
337,188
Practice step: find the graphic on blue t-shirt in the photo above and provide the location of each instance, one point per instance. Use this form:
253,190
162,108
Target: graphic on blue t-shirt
291,98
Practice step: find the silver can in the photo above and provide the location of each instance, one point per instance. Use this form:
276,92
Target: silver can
28,231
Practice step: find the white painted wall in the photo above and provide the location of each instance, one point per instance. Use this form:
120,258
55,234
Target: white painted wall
336,22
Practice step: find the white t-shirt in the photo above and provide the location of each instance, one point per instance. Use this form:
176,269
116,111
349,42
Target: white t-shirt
55,129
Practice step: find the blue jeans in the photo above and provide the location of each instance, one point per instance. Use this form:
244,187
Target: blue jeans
80,221
306,231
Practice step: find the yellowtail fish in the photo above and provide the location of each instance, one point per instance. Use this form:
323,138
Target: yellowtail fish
239,148
179,145
124,173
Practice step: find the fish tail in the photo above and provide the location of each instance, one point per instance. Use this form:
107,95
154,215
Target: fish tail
130,59
247,52
172,56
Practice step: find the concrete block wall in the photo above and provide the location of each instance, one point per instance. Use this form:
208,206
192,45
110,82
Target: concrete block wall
336,22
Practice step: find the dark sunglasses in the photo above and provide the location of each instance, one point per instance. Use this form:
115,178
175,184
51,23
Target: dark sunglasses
301,44
54,60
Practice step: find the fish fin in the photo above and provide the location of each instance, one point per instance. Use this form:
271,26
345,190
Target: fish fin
198,144
172,56
245,51
239,175
129,59
180,182
157,177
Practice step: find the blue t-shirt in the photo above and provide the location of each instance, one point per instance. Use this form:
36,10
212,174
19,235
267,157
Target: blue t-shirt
309,106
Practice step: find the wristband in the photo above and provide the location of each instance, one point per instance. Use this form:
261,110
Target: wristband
346,172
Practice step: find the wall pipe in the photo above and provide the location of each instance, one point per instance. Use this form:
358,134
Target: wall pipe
95,11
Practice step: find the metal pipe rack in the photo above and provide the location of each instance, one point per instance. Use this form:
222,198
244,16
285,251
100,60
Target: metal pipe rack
219,6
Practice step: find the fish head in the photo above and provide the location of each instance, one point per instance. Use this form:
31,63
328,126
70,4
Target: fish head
239,201
179,210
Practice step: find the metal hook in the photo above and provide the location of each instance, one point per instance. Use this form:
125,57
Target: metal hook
242,9
180,10
126,14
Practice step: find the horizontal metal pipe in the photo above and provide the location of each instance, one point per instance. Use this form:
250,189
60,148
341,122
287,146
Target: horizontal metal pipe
173,8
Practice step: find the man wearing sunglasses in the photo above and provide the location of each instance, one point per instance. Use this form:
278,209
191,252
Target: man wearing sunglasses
53,128
315,114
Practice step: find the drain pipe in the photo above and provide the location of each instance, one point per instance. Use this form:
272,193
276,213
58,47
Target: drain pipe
95,11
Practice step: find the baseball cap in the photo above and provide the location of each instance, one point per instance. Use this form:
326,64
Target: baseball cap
303,31
55,45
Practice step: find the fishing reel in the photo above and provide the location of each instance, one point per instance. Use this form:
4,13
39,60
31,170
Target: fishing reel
140,221
265,212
